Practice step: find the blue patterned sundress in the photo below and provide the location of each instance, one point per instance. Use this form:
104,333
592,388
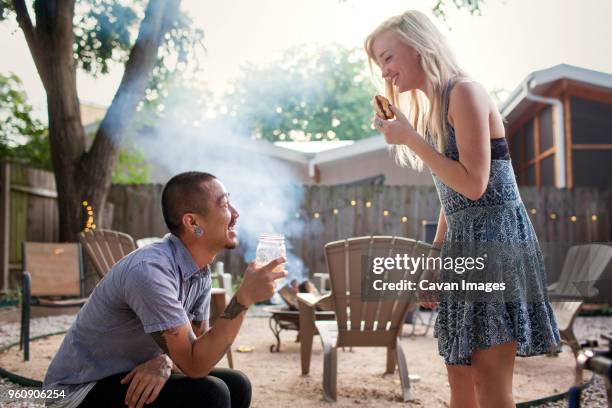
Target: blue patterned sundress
521,313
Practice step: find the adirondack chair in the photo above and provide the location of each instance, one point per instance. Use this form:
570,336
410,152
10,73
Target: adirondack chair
105,248
52,277
358,323
583,265
142,242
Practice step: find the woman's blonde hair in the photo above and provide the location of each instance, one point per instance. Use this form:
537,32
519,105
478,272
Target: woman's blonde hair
438,62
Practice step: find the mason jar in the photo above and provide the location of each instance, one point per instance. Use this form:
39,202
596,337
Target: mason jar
270,247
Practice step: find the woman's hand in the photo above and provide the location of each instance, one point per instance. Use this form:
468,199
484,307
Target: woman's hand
146,381
429,298
398,131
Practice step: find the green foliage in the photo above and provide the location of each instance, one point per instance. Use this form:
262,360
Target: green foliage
131,167
105,31
22,137
308,94
103,28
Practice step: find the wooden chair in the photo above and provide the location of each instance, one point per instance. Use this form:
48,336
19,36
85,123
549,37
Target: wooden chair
52,277
142,242
224,280
376,323
217,307
583,265
105,248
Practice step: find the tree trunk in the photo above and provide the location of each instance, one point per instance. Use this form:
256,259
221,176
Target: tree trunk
55,39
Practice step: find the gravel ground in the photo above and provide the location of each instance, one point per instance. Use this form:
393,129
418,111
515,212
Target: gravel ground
586,328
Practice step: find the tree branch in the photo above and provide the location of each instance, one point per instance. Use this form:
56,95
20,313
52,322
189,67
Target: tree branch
159,16
25,23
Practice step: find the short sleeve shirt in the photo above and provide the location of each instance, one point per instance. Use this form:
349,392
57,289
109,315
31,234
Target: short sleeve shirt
151,289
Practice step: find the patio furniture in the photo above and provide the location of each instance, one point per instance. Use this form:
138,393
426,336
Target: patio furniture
417,317
105,248
373,323
288,317
52,277
582,268
282,318
142,242
217,306
223,279
321,280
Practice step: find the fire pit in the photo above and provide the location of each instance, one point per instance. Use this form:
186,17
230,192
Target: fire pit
288,317
283,318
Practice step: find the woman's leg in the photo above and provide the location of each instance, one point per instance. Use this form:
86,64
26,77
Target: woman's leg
462,386
492,371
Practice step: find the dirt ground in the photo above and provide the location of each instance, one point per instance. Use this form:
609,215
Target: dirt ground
277,381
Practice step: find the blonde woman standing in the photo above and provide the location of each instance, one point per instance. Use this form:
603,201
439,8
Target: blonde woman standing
453,127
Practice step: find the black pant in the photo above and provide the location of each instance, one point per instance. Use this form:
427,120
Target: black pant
222,388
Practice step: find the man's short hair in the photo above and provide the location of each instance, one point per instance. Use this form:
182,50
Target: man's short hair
185,193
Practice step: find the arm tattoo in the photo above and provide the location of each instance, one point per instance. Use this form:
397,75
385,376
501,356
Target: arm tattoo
233,309
160,339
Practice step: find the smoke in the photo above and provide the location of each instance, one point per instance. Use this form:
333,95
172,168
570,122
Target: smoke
266,191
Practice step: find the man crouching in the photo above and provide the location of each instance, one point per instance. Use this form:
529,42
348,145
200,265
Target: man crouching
148,317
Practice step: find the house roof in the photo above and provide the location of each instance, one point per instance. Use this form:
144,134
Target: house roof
541,81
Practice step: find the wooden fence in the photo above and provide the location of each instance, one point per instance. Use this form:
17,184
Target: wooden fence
28,211
28,208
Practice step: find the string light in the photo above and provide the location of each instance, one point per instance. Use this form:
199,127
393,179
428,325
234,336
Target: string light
388,213
89,225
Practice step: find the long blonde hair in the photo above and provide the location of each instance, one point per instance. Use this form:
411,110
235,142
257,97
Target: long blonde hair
440,66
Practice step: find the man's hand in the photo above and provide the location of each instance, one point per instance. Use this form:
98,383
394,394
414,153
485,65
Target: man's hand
258,283
146,381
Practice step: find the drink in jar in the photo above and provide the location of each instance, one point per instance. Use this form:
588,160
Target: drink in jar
270,247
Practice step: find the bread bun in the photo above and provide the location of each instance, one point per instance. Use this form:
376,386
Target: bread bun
381,106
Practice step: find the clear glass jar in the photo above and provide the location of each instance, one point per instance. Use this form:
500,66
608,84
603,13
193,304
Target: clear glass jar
270,247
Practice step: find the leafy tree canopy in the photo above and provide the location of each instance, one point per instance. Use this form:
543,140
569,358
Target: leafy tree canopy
105,31
308,94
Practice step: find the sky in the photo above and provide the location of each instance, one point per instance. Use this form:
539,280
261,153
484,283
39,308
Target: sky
511,39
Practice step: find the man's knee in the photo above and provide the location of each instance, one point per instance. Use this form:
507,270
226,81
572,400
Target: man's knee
242,382
238,383
212,390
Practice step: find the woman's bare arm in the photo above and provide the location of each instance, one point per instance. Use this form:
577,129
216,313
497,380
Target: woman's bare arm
469,109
